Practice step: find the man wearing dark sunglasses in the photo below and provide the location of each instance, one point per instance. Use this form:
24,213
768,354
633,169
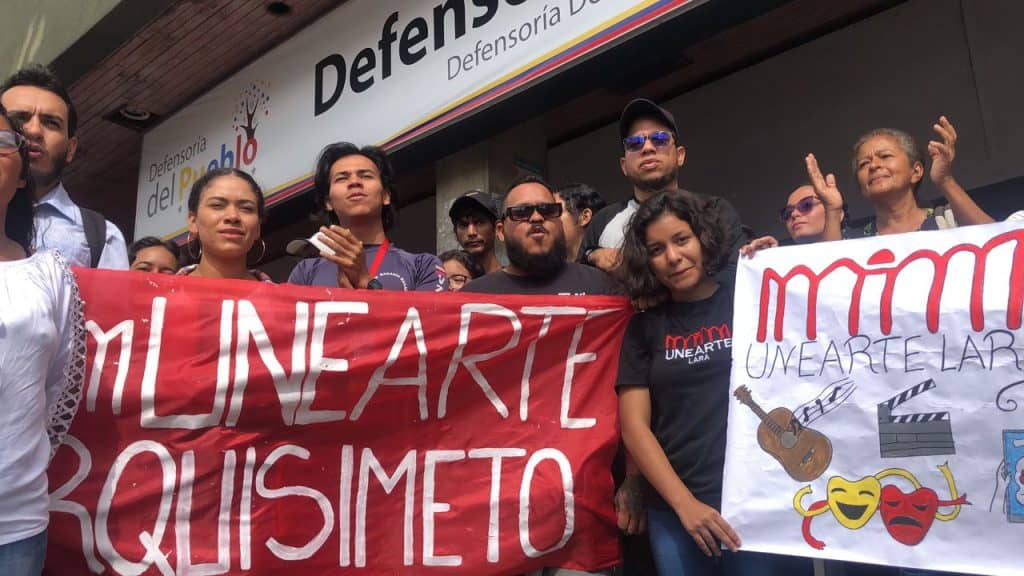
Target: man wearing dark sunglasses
535,244
36,100
536,249
652,156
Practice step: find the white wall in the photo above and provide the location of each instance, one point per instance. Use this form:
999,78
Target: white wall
40,30
747,134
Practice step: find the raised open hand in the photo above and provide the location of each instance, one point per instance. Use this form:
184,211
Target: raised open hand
942,151
824,187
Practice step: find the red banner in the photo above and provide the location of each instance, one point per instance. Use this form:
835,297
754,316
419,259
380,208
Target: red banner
243,427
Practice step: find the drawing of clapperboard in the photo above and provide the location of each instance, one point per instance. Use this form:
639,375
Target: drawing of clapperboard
922,434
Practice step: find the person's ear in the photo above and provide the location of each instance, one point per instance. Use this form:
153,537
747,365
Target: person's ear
192,227
499,230
918,173
622,166
387,197
585,217
72,148
680,155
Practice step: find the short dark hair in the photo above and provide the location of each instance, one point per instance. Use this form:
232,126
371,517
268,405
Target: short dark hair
39,76
334,152
463,257
705,221
211,175
525,179
152,242
19,225
579,197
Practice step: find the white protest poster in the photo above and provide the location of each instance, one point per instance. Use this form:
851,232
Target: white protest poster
878,401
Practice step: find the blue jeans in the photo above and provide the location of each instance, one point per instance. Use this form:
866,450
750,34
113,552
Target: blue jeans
23,557
676,554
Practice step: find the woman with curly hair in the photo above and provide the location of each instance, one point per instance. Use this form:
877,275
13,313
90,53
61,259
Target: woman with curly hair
674,389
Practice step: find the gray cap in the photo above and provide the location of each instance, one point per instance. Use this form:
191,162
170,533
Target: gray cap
307,247
644,108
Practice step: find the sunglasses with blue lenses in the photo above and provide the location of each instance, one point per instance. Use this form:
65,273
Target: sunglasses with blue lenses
523,212
803,206
635,143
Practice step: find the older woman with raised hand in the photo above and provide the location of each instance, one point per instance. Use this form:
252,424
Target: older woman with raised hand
42,356
225,208
889,168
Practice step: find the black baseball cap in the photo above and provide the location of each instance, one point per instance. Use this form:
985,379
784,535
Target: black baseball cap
473,200
644,108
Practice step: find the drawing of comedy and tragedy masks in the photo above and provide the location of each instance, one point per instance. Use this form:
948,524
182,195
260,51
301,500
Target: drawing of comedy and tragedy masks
804,453
907,516
1010,478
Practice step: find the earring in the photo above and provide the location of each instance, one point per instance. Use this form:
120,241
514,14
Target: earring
263,252
188,247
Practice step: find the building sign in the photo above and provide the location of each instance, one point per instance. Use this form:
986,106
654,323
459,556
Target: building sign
370,73
879,401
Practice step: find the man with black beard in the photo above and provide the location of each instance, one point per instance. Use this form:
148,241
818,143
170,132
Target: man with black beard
652,156
35,98
535,244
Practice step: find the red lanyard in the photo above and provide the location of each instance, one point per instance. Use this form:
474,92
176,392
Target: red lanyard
379,258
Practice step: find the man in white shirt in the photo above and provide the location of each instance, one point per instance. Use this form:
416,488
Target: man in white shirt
35,99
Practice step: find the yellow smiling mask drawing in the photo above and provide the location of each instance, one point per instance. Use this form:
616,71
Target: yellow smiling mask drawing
853,503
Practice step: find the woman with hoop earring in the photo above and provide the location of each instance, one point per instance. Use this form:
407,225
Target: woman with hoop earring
225,208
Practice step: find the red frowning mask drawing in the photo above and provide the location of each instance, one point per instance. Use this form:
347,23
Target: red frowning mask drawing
908,517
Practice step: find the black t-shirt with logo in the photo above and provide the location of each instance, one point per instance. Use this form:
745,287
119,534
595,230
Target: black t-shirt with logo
682,352
573,280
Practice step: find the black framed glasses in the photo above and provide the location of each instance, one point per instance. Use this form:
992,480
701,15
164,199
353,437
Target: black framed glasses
523,212
10,141
635,143
803,206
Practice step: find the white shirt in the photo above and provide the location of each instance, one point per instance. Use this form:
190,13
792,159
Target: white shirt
39,312
614,233
59,227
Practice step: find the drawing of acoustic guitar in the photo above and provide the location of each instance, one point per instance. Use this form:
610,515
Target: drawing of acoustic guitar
804,453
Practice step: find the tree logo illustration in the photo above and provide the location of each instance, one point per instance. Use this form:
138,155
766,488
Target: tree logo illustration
254,101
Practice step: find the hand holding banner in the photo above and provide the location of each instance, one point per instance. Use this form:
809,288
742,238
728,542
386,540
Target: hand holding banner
904,364
244,427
